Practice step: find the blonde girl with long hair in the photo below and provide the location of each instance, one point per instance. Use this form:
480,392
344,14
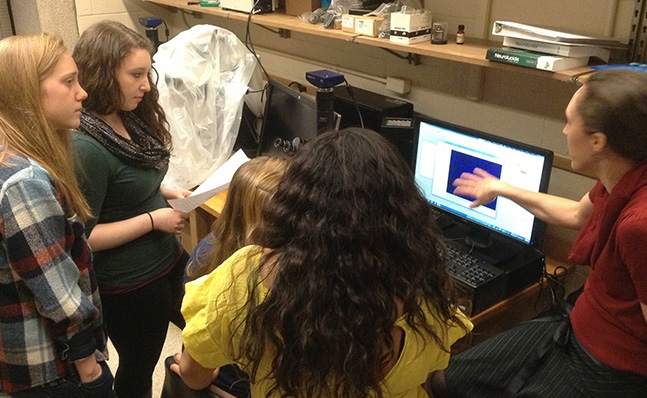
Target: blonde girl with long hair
52,339
251,187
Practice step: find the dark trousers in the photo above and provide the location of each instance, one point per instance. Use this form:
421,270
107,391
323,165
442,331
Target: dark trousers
565,368
137,323
71,388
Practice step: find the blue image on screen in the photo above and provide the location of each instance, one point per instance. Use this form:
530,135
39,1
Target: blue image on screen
461,162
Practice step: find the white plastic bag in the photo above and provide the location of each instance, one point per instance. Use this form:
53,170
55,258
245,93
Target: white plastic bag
203,75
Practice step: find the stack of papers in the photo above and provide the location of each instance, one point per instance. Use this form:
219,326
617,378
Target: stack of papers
216,183
546,49
523,31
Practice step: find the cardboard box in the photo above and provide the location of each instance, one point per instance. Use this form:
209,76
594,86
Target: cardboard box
410,22
298,7
348,23
410,28
368,25
410,40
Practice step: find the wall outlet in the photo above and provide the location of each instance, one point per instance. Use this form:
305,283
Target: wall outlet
398,85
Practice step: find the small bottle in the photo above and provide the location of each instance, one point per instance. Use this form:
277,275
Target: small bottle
460,35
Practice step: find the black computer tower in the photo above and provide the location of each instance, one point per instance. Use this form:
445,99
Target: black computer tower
373,107
399,130
385,115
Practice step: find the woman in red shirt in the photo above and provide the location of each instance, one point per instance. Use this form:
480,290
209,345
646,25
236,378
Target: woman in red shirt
601,348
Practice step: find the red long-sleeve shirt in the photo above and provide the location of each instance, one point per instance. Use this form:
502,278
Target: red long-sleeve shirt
607,318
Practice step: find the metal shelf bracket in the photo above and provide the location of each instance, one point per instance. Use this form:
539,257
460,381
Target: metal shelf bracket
413,59
283,33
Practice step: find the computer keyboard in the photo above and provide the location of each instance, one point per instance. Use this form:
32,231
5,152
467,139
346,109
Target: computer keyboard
469,268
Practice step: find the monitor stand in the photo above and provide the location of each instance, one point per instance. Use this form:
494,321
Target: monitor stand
496,249
478,238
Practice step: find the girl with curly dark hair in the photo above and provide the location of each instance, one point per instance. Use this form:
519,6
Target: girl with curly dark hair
346,295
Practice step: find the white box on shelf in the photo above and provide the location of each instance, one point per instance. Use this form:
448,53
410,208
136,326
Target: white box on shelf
410,28
410,40
348,23
368,25
410,22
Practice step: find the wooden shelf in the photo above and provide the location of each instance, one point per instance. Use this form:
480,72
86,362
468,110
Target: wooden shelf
472,52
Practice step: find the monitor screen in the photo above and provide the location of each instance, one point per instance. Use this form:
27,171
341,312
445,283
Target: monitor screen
289,120
443,151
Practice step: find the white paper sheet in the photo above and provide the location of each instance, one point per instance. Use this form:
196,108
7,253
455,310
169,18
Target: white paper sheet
216,183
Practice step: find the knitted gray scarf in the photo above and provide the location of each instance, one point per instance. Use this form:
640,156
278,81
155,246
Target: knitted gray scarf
143,149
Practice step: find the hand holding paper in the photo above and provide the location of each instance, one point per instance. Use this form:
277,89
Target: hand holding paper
216,183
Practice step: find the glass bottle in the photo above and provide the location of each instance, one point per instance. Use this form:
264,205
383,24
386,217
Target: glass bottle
460,35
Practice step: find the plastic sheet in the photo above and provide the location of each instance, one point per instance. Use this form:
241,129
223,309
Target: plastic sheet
204,73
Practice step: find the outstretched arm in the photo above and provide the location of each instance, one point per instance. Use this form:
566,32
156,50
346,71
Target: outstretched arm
484,187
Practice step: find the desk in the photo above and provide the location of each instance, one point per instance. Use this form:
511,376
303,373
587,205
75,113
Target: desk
524,305
200,221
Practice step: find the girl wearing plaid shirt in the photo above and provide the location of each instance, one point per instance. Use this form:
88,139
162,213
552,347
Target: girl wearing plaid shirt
51,336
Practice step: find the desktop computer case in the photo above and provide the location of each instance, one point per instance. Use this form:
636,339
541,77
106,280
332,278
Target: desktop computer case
375,109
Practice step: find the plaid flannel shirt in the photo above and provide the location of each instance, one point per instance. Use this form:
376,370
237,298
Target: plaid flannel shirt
50,311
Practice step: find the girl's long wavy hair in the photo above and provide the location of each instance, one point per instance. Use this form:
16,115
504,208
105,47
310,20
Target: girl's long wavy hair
349,235
24,62
251,187
98,55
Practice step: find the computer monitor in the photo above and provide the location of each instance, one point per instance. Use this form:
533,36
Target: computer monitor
443,151
289,120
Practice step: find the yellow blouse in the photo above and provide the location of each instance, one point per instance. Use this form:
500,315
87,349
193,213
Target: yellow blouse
212,302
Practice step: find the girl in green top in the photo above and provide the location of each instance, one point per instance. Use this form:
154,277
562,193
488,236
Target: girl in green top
123,146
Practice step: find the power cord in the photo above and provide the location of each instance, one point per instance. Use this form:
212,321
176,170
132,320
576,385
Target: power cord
251,126
300,87
166,30
553,282
349,88
248,38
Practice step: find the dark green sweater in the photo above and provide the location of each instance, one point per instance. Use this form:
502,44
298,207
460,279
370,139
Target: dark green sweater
117,191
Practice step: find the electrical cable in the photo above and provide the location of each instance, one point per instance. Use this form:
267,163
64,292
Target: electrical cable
349,88
157,75
250,46
556,288
248,38
184,18
299,86
166,29
251,125
256,91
